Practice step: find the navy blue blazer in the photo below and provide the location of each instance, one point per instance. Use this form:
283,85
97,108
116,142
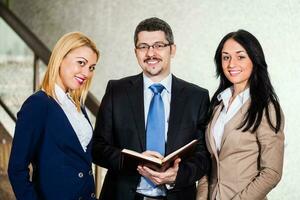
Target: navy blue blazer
45,138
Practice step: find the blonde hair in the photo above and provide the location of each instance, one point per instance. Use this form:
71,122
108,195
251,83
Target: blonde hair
64,45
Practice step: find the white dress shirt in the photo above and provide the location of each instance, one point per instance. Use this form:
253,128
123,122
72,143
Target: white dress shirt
78,121
228,111
166,97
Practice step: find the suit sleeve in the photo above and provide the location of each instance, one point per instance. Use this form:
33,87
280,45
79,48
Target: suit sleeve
202,188
270,160
103,151
29,128
198,165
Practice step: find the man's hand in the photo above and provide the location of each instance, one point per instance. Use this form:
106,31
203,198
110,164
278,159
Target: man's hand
153,154
159,178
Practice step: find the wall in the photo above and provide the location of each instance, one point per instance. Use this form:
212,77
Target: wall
198,27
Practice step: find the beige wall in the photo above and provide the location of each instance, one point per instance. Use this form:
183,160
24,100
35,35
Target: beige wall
198,27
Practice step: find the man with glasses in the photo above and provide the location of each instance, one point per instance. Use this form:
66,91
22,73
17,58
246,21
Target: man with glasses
155,113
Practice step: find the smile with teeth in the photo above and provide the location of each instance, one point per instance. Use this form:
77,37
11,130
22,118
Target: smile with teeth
152,61
80,80
234,72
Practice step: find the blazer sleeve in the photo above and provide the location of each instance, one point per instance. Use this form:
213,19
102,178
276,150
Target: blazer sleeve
202,188
103,151
28,131
192,169
270,160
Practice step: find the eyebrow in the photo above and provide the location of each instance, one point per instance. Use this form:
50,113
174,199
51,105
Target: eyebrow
240,51
153,42
82,58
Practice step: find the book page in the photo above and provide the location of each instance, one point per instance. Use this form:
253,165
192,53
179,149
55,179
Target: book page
131,159
139,155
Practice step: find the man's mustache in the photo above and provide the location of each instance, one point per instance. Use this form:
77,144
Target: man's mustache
152,58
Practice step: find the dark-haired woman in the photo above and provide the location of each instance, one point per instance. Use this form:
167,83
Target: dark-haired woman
245,135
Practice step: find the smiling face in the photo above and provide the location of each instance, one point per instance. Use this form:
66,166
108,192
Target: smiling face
236,64
155,60
76,68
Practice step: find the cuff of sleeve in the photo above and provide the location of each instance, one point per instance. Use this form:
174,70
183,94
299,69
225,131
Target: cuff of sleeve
170,186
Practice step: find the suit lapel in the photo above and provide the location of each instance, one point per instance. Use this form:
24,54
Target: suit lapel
176,110
136,97
70,133
210,130
235,121
90,143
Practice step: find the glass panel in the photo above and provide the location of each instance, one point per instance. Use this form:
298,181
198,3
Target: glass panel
16,84
16,69
42,69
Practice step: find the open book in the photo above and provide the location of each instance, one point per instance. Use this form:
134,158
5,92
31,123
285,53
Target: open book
131,159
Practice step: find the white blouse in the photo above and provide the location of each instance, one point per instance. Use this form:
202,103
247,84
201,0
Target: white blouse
227,113
79,122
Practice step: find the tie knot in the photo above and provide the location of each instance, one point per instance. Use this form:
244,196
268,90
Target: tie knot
157,88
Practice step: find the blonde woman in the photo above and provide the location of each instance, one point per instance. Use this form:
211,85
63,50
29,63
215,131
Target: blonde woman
53,132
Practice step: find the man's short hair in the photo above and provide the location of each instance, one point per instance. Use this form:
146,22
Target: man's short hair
154,24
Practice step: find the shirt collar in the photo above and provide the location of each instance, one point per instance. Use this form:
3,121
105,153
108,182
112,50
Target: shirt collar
60,94
166,82
227,94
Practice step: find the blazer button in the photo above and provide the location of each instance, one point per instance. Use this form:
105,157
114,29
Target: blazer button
80,175
91,172
93,195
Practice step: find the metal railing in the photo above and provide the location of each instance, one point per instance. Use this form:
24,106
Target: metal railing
8,111
40,51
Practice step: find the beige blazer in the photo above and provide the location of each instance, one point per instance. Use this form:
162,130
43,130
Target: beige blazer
248,165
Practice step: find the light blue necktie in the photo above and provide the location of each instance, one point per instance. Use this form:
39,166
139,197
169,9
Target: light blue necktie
155,130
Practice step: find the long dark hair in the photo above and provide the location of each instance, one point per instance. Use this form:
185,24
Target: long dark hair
261,89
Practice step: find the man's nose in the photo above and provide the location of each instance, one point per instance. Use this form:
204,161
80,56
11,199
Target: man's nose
150,51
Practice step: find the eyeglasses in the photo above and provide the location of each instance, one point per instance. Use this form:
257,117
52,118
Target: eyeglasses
156,46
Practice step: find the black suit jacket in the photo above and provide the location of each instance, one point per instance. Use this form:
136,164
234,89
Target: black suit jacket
121,124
